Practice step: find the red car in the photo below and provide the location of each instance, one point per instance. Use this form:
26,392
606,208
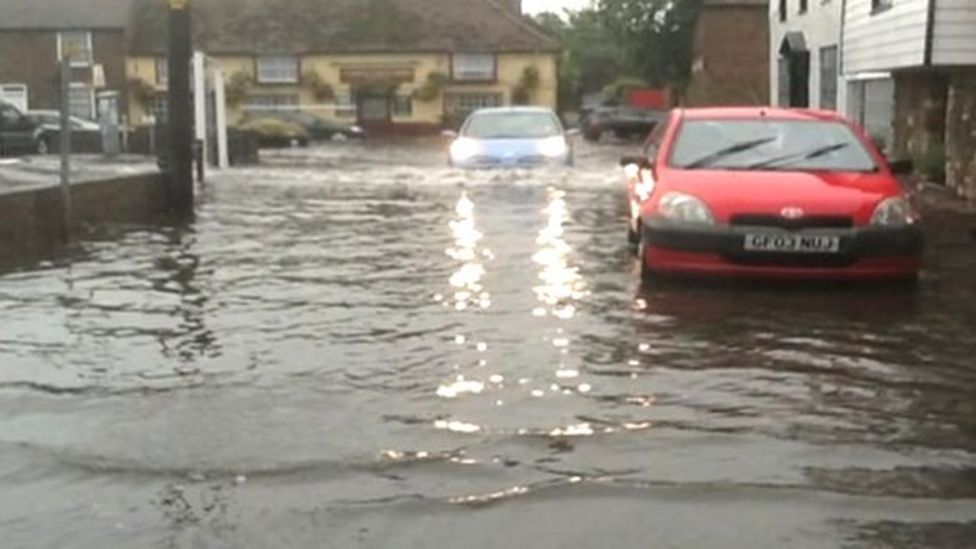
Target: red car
769,193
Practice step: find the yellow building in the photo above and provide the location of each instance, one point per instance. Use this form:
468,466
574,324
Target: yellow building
408,66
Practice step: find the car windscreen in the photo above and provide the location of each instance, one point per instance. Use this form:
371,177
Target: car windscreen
770,144
511,125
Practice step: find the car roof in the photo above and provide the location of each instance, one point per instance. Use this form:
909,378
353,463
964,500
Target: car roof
510,110
778,113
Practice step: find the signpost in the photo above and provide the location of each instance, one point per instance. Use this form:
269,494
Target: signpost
180,131
65,146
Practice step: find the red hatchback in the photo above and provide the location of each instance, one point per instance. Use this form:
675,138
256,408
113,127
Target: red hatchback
769,193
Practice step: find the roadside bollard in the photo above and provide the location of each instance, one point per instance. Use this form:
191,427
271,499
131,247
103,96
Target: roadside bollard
198,158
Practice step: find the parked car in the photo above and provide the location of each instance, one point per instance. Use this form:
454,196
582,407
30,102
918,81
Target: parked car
511,137
18,134
274,132
49,124
770,193
622,121
318,128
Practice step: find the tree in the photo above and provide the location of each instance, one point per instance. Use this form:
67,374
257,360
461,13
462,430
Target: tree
657,36
592,57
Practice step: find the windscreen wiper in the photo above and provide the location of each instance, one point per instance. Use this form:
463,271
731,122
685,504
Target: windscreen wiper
800,156
735,148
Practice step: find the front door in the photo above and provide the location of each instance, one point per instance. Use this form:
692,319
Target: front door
799,80
374,110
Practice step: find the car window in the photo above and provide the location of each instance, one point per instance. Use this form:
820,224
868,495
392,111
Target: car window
9,115
501,125
769,144
653,142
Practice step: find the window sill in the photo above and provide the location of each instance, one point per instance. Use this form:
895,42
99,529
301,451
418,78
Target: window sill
278,83
475,81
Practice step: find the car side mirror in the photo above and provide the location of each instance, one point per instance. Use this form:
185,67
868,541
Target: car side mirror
901,167
636,160
449,133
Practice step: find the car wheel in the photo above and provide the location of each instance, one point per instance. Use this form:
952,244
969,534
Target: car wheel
644,267
633,237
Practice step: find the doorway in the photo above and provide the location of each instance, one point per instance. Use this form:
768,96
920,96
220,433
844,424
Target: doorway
374,110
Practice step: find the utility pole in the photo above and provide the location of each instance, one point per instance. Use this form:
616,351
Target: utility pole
180,132
64,145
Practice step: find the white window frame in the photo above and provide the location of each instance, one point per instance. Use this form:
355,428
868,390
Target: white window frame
277,79
91,100
21,93
162,71
89,45
481,67
833,77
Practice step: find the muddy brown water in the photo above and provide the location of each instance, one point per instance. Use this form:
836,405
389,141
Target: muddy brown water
358,347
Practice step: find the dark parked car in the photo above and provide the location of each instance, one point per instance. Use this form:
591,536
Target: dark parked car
623,122
318,128
49,126
18,134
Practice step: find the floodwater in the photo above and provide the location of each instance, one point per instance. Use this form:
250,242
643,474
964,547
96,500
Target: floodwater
358,347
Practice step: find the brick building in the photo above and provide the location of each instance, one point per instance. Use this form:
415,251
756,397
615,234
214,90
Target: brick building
730,54
34,35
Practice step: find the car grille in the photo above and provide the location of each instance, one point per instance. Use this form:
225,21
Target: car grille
486,160
807,222
529,160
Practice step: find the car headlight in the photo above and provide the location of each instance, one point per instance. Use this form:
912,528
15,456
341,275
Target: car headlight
684,208
463,149
645,184
893,212
553,147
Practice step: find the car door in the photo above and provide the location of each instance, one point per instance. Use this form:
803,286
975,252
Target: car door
16,131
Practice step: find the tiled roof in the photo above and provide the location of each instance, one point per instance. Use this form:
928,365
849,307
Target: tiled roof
63,14
343,26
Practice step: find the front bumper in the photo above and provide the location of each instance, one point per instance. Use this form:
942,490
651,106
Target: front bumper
511,162
865,252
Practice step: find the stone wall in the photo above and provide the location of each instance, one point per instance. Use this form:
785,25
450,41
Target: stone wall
919,117
30,219
960,144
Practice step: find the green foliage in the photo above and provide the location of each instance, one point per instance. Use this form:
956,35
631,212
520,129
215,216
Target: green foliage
140,90
237,87
592,56
528,83
432,87
321,90
932,164
650,39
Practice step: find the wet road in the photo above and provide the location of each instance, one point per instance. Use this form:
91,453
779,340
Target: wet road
361,348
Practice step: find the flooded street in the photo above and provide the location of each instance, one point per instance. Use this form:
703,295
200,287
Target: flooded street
359,347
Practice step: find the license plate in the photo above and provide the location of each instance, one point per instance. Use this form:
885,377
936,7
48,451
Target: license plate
792,243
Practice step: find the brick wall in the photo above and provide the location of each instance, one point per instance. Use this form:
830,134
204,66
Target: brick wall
731,59
30,219
960,144
30,57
